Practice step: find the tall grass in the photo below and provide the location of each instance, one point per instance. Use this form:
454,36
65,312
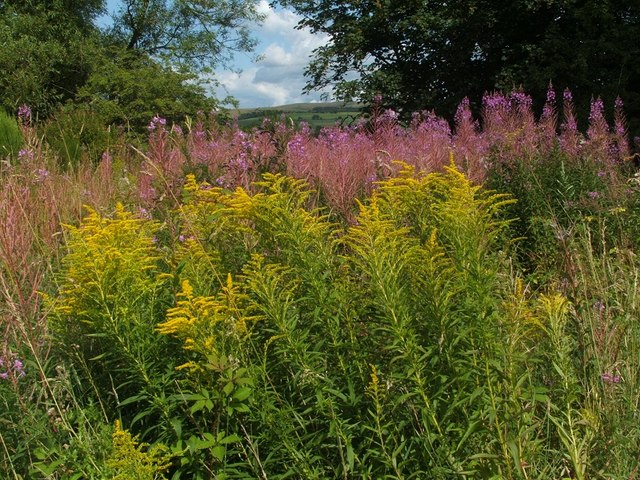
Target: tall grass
379,301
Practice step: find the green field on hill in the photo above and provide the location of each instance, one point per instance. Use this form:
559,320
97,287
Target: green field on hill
317,115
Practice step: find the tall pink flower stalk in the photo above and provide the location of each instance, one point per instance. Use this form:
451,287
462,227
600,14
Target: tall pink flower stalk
229,156
620,138
598,135
570,138
469,145
429,140
36,199
163,165
343,163
548,124
509,125
340,163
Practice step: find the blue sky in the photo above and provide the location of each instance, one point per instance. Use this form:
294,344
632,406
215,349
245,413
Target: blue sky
278,78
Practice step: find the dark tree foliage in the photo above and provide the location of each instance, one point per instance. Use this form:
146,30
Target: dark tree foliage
46,50
431,53
79,13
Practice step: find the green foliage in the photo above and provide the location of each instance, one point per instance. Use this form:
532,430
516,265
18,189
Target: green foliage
186,33
260,340
128,88
109,301
149,62
555,191
47,52
605,305
74,135
10,136
67,435
77,12
323,319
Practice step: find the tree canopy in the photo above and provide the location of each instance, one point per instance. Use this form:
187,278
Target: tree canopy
45,51
196,34
128,88
431,54
153,55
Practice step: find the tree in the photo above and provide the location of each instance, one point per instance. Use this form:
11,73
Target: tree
432,53
128,88
78,13
46,49
151,60
159,55
192,34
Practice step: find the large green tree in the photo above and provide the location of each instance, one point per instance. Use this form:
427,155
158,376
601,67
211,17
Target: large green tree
128,88
432,53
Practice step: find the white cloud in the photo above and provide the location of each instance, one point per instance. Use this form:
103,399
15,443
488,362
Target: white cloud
277,21
276,56
278,78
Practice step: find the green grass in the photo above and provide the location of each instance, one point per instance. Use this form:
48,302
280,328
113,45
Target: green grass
317,115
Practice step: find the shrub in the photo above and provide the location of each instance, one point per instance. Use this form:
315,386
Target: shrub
11,140
77,135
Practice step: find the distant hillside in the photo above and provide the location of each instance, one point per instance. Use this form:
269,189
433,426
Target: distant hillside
317,115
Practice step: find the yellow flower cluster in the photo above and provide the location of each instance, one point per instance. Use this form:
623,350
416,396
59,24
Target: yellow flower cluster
201,322
108,259
130,462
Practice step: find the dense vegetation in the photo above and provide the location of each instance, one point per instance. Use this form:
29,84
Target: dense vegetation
186,296
151,58
377,301
155,57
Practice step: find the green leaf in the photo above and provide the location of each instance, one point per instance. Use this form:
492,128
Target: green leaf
196,407
242,394
133,399
40,453
350,457
176,423
228,388
218,452
233,438
48,469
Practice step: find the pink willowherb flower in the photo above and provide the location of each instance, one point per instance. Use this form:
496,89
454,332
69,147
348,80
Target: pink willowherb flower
598,127
13,368
157,123
610,378
24,114
25,154
570,138
41,175
620,139
548,123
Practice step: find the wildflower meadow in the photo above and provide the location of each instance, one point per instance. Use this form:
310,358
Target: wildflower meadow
387,299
